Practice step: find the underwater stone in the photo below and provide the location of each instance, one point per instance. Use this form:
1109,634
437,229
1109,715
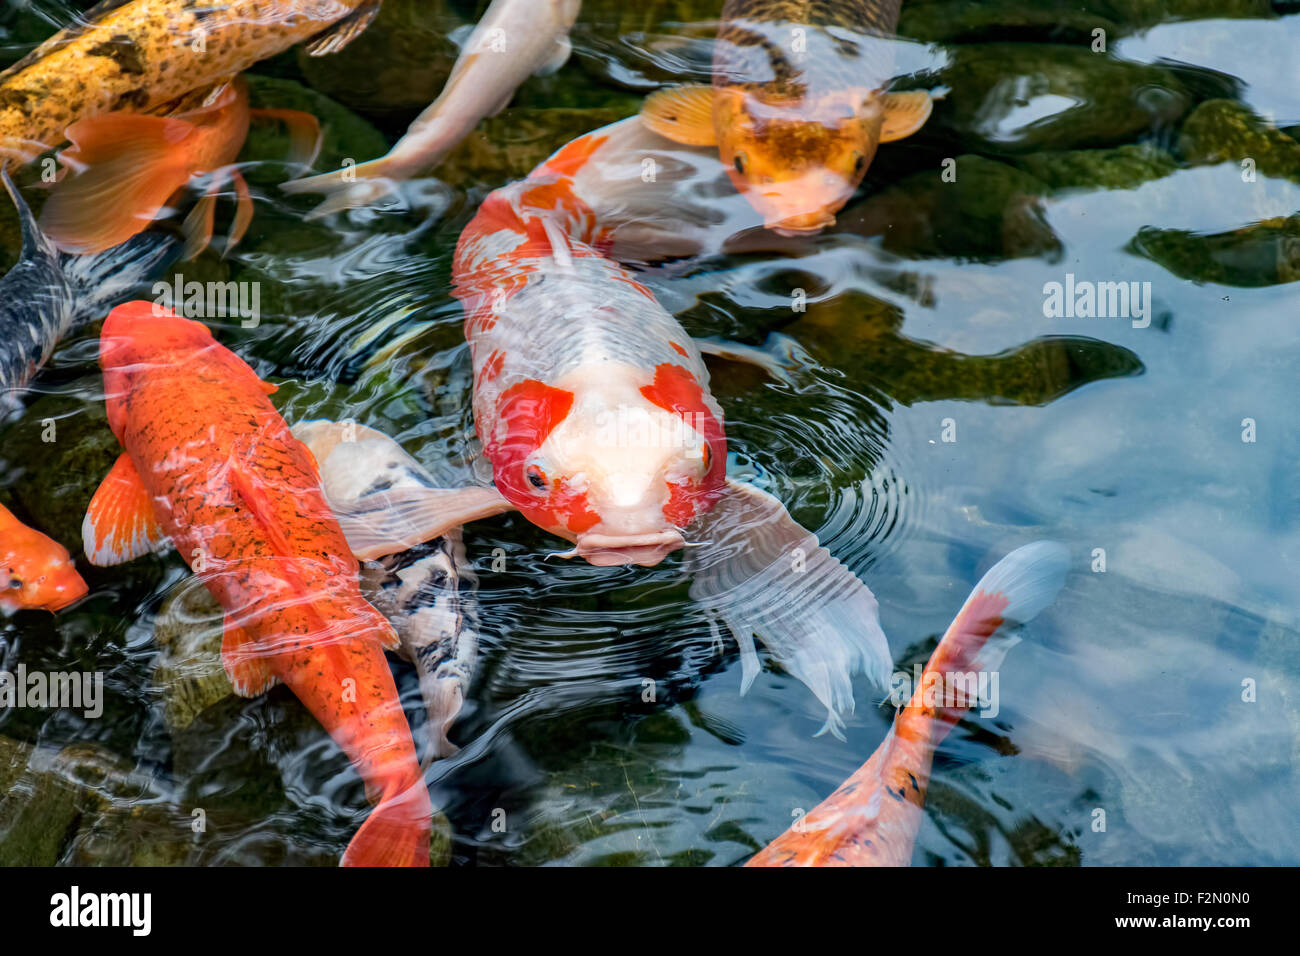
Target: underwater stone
509,146
1123,167
990,212
345,135
1007,99
1221,131
1265,253
188,672
396,67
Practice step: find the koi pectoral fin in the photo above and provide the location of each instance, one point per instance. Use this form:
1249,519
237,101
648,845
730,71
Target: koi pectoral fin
398,520
779,356
342,32
683,114
120,523
763,574
905,113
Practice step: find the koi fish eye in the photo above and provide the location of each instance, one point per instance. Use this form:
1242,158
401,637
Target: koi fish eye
859,163
15,582
536,477
706,456
740,161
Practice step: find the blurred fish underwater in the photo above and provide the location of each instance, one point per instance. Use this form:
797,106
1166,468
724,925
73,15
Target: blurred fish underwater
1053,304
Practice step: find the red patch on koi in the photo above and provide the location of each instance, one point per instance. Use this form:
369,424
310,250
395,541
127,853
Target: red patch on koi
492,367
676,390
569,160
677,348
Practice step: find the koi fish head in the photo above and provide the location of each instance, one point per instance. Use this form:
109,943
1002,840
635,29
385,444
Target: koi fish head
797,163
35,571
138,337
610,460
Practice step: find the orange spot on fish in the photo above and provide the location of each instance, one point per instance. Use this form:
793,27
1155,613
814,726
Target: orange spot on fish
569,160
675,390
677,348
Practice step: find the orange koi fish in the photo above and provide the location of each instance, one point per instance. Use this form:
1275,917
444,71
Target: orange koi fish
125,166
797,105
211,465
35,571
873,818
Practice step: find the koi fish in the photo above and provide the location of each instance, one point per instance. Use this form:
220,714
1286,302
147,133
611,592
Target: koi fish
210,466
46,295
139,56
35,571
873,818
797,106
593,407
426,592
514,40
124,167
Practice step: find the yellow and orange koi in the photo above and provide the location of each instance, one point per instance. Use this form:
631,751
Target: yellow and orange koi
873,818
210,465
797,106
35,571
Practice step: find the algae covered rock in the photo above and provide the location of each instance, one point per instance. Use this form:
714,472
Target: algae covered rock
1123,167
1008,99
188,672
990,211
1262,254
397,66
508,146
344,134
1220,131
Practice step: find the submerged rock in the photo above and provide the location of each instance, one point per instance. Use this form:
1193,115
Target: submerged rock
1220,131
1007,99
1123,167
344,134
1055,20
188,671
396,67
508,147
1262,254
990,212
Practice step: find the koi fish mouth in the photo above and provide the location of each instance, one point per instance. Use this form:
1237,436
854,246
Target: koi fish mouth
646,550
796,226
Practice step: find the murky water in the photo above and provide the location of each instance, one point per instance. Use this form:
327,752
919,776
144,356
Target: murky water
940,421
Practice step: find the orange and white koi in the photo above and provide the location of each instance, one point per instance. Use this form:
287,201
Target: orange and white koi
210,465
593,407
873,818
35,571
797,106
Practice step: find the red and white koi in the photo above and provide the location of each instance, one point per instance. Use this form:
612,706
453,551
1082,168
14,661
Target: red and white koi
579,373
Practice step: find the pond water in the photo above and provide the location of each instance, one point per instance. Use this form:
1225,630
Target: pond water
940,419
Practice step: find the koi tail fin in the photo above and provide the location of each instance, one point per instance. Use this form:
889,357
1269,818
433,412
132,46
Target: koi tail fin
106,279
1015,590
761,573
397,832
123,168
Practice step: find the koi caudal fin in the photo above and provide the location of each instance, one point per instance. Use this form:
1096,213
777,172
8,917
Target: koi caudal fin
761,573
396,833
874,816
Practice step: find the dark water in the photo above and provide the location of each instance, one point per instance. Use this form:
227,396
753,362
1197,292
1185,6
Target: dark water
924,320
